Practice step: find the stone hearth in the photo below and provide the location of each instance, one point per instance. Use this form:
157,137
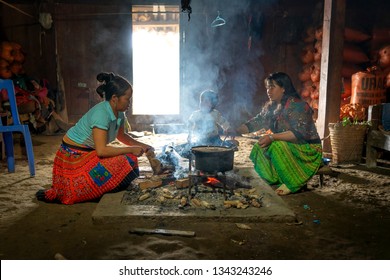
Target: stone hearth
115,208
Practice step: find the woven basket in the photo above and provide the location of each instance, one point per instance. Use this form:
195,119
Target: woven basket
347,142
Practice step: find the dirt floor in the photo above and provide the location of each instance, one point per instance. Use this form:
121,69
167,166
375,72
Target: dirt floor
347,218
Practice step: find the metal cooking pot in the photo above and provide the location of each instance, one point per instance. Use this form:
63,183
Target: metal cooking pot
213,158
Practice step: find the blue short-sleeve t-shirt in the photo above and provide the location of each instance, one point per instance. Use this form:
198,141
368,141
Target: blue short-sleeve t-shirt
100,116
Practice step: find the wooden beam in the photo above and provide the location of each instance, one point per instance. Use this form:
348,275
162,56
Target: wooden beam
331,66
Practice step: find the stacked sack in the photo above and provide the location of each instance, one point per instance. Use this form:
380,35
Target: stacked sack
353,60
369,87
310,74
12,58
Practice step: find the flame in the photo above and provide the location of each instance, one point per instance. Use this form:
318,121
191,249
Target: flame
213,182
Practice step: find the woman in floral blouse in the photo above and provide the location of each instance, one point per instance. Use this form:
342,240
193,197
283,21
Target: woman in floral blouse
290,153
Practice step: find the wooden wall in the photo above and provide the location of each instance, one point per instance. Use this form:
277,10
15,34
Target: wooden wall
90,39
95,36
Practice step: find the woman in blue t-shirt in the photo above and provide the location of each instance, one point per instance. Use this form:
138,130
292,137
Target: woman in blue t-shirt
86,166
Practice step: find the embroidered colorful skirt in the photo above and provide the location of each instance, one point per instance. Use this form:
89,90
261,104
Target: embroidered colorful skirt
287,163
80,175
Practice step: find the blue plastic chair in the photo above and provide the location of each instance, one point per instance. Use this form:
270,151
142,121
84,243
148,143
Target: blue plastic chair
7,131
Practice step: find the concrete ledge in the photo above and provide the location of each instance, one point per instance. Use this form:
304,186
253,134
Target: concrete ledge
110,209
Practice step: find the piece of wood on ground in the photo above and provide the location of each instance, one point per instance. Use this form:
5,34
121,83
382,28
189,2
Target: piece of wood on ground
243,226
155,164
182,183
147,184
163,232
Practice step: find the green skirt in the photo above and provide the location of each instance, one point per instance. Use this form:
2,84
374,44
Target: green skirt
287,163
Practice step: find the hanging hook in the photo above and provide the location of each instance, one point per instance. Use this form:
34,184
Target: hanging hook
218,21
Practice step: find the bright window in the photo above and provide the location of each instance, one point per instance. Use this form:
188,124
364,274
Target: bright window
156,60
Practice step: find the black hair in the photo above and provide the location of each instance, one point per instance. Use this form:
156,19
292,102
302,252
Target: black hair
283,80
111,85
210,95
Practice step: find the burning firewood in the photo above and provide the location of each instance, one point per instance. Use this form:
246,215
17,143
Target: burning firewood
155,164
222,181
213,182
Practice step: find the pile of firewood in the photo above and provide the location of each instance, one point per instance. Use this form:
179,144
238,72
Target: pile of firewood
165,191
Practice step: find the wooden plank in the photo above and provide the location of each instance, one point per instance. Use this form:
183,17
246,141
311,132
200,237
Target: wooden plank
331,66
163,232
375,138
147,184
182,183
375,115
379,139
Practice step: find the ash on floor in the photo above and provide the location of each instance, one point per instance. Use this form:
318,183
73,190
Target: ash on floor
202,196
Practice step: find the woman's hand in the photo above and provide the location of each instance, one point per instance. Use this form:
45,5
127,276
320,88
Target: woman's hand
265,140
129,141
137,151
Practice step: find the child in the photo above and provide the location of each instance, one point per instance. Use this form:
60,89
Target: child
205,124
204,128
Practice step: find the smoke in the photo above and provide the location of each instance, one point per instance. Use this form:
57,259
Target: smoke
225,58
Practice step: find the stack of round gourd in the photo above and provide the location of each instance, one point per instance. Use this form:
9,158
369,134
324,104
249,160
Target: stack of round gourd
12,58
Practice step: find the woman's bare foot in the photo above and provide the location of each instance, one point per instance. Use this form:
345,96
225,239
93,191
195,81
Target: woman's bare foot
282,190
